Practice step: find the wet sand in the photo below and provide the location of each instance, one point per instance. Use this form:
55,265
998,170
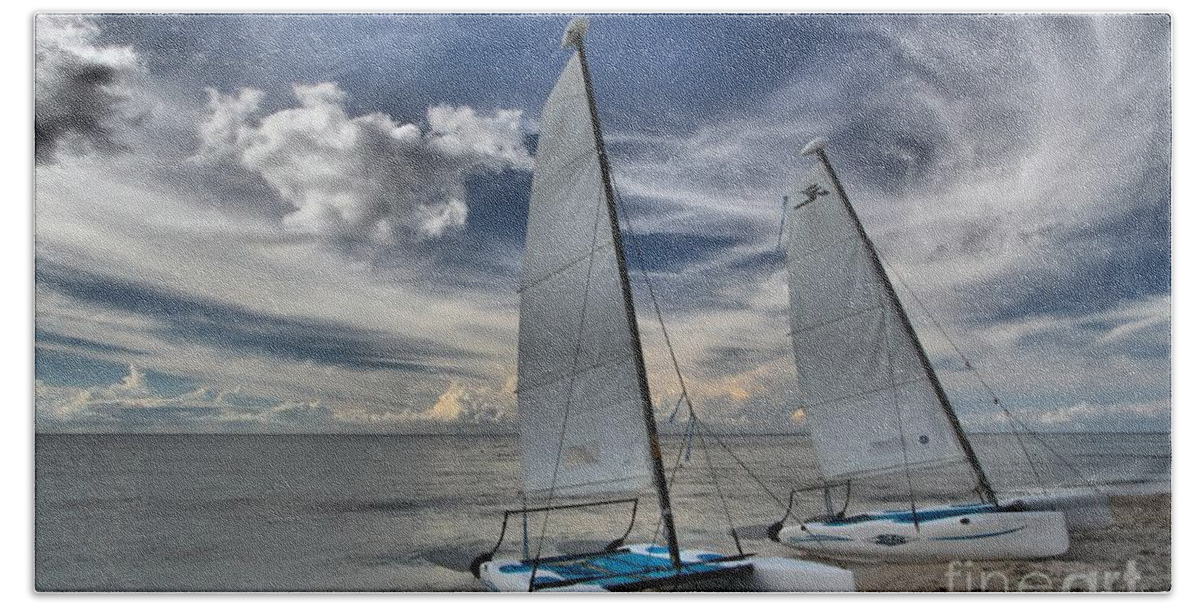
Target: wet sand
1132,555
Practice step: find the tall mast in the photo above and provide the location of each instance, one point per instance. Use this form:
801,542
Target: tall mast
574,38
817,147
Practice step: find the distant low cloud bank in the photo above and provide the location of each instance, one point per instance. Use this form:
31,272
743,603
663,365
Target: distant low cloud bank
134,403
362,180
270,221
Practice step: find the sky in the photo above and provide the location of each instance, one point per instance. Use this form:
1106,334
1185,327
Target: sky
290,223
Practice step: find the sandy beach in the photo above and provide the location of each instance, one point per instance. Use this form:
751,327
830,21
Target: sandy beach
1132,555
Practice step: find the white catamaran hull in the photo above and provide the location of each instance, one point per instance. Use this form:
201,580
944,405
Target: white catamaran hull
944,533
647,567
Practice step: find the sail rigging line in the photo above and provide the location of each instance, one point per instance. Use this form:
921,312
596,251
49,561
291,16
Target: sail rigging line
549,274
967,365
868,392
750,472
983,485
782,223
675,411
575,38
679,460
1067,463
525,526
684,395
1012,425
887,349
562,435
712,471
786,506
1011,418
641,265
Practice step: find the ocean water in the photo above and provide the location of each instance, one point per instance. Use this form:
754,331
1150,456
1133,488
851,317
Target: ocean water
384,513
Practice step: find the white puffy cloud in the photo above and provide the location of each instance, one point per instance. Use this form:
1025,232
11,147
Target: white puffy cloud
83,91
366,179
226,123
481,404
1011,155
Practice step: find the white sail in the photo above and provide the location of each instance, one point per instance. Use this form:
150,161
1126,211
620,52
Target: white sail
579,401
871,407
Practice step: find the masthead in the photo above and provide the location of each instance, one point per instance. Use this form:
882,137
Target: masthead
814,146
576,30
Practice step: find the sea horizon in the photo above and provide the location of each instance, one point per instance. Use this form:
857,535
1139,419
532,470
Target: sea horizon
240,512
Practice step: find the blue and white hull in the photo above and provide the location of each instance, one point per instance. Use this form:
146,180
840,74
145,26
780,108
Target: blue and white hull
943,533
648,567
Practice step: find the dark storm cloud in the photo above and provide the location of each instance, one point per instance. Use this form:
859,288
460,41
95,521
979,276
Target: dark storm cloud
83,90
1003,160
240,329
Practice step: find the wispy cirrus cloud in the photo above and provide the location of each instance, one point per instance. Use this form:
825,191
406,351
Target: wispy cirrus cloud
238,329
996,183
180,259
355,244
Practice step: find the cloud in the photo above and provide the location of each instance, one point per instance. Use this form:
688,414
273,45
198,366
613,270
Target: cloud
1087,416
1031,213
1045,365
189,288
241,330
84,91
131,400
1084,415
365,180
137,402
60,340
974,148
987,168
448,406
477,405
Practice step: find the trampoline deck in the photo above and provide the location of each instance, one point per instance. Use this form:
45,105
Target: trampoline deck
625,570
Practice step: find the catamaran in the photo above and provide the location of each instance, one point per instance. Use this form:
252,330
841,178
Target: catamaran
587,428
876,409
